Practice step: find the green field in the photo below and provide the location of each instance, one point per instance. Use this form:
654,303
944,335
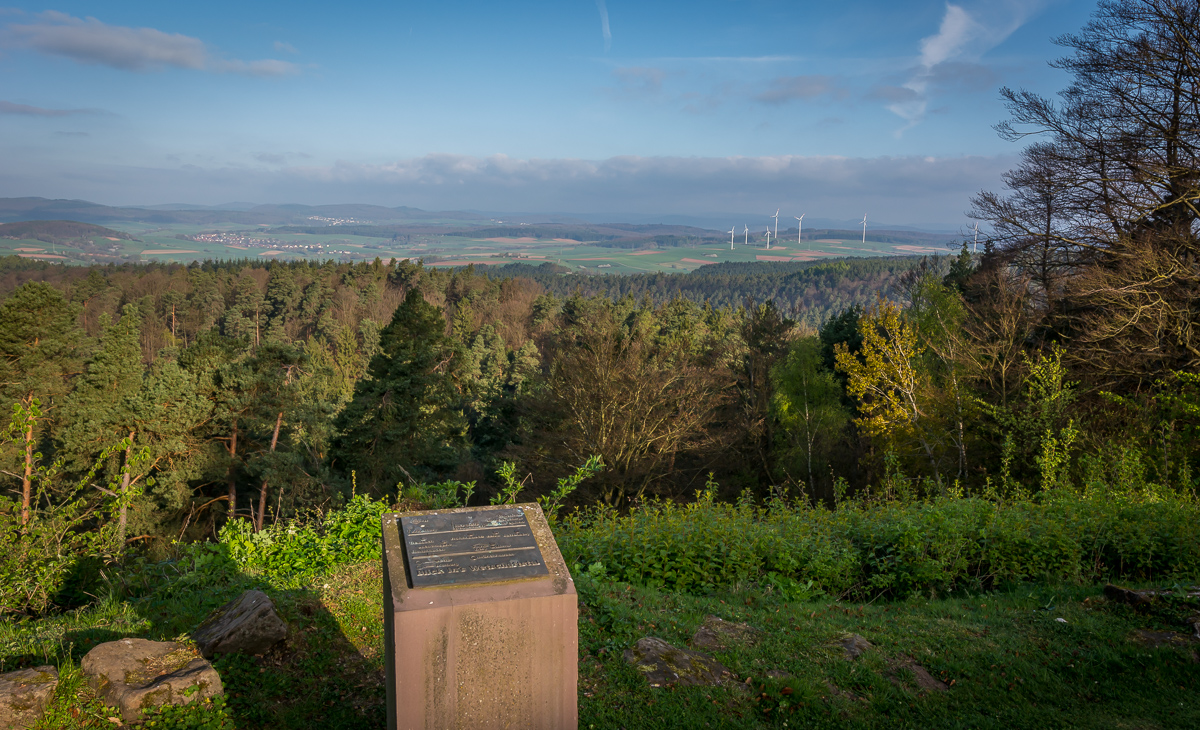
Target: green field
184,244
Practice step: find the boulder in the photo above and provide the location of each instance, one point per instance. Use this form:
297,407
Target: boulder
925,680
715,633
246,625
663,664
24,695
137,674
854,645
1157,639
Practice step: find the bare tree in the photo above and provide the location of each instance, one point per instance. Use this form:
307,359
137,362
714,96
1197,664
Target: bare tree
1102,212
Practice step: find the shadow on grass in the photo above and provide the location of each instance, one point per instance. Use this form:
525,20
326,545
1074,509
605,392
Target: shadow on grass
327,673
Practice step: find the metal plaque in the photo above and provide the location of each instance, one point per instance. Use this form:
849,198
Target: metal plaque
470,547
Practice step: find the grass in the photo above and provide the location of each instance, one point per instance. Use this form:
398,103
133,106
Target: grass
1006,658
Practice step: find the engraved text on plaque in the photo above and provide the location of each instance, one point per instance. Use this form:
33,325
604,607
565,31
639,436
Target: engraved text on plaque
470,547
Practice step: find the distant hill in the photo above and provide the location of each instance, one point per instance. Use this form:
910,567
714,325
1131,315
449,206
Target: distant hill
59,232
28,209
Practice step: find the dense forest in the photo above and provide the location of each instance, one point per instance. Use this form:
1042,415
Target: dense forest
181,397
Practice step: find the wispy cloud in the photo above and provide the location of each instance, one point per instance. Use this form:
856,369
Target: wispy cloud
640,80
948,57
90,41
799,88
8,107
604,29
282,47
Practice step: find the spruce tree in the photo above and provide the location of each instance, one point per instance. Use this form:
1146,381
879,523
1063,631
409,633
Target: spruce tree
99,412
402,423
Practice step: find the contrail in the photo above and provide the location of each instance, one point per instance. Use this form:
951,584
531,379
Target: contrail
604,24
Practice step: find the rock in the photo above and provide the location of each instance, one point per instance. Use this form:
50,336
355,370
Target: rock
925,680
663,664
1156,639
1139,599
715,632
854,645
1195,622
839,692
246,625
138,674
24,695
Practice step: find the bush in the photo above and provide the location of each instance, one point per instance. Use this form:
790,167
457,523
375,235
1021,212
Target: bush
289,553
864,549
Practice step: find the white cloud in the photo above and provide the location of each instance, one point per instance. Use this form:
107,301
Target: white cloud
796,88
962,38
903,190
8,107
604,29
89,41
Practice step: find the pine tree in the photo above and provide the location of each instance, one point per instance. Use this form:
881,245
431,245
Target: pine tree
99,413
39,341
401,421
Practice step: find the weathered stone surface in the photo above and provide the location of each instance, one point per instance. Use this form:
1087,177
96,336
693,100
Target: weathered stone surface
854,645
24,695
1158,639
716,633
663,664
1145,597
246,625
138,674
925,680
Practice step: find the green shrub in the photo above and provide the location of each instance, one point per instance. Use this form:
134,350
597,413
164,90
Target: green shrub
891,548
288,553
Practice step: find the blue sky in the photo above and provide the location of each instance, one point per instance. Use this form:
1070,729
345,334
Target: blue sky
589,106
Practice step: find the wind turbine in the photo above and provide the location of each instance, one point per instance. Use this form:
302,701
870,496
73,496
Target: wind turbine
800,226
731,230
977,237
864,229
746,233
776,217
768,238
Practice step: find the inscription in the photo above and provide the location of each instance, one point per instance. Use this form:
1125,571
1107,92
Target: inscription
470,547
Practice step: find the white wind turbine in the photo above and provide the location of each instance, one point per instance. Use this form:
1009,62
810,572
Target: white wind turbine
800,226
731,230
776,217
976,237
746,234
768,238
864,228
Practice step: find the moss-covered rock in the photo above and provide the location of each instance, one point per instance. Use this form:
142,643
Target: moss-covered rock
24,695
138,674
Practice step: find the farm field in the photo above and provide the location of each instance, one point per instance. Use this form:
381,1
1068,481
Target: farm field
185,244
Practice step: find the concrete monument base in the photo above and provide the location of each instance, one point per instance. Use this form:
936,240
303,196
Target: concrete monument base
467,655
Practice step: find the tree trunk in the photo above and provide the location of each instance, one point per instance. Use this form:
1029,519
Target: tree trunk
122,519
27,477
262,495
229,475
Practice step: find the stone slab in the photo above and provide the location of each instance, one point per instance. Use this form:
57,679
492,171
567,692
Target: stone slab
501,654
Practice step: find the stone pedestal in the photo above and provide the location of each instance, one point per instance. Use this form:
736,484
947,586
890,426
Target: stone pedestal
469,654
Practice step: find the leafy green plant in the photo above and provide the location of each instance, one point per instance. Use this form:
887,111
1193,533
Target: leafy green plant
65,526
553,502
208,714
